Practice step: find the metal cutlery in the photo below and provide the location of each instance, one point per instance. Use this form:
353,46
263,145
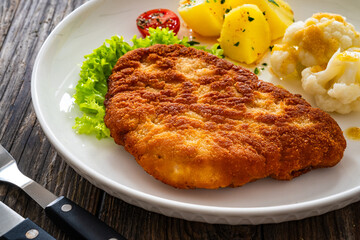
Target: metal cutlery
15,227
70,217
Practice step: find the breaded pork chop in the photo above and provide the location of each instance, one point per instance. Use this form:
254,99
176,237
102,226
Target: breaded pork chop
193,120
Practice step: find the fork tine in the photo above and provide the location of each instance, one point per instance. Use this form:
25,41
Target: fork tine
9,172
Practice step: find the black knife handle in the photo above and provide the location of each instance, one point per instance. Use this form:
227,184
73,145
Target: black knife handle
26,230
79,223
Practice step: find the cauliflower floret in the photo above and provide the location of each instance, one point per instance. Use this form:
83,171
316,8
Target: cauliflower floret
337,87
284,60
312,42
324,50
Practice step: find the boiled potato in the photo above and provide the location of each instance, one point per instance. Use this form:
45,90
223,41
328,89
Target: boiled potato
277,12
245,35
203,16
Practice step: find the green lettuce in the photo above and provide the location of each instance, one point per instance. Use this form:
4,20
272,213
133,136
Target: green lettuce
95,70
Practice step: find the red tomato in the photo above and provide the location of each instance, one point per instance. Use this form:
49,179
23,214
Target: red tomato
162,18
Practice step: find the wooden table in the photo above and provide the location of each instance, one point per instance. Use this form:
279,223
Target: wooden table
24,26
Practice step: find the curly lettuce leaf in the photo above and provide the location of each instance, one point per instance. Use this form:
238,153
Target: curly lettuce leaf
92,86
95,70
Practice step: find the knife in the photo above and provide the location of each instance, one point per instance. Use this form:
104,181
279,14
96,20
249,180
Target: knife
70,217
15,227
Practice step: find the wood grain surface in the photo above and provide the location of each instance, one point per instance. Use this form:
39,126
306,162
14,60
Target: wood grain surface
24,26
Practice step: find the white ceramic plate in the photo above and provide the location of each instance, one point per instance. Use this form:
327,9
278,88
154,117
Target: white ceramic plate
110,167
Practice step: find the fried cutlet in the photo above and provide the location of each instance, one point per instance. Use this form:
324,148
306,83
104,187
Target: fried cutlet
193,120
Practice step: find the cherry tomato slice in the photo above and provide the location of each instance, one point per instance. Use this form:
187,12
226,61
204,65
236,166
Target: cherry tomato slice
162,18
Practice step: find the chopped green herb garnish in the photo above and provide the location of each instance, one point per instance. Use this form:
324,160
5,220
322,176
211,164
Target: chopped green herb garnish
250,19
236,44
264,64
273,1
253,48
244,30
256,71
264,13
228,10
271,47
192,43
222,1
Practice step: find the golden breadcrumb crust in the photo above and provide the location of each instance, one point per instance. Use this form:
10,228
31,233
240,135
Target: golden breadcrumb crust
193,120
